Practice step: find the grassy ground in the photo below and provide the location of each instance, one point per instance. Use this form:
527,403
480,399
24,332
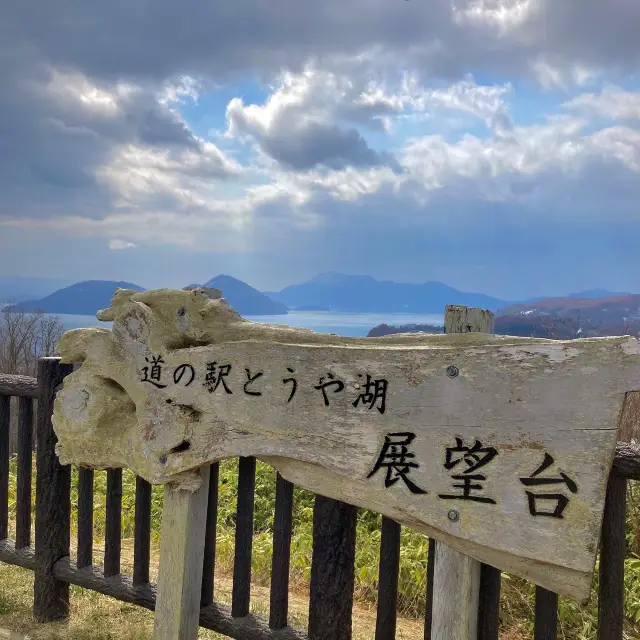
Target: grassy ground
100,617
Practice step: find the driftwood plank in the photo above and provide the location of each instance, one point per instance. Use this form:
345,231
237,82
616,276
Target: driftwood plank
516,434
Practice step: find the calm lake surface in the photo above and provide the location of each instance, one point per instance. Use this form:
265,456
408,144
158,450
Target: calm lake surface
344,324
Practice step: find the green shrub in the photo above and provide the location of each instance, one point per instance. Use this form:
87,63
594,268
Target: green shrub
517,600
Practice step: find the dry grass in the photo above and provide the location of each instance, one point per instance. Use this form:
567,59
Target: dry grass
97,617
102,618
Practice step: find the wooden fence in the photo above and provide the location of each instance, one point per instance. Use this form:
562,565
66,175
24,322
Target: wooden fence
334,526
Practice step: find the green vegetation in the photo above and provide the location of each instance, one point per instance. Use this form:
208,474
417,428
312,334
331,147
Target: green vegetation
577,622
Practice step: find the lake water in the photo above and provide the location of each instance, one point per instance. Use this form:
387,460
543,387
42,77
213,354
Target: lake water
344,324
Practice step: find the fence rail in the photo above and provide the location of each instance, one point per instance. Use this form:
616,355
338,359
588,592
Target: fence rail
333,562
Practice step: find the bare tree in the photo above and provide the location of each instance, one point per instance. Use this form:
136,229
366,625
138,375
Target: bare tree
24,337
50,330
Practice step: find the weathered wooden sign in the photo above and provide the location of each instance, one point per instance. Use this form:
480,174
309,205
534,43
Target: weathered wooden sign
498,446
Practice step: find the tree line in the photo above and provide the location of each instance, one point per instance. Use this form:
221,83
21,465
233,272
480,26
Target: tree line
25,337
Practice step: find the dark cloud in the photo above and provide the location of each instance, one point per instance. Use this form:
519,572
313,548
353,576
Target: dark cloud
320,144
155,39
57,128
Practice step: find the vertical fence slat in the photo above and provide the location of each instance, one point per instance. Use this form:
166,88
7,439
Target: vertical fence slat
612,554
332,570
209,560
241,595
113,527
85,517
53,503
389,572
428,614
280,562
25,465
546,622
489,603
5,417
142,532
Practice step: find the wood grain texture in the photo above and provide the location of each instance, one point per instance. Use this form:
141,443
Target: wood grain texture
53,506
428,614
21,386
184,520
630,418
113,523
389,571
5,419
85,518
215,616
626,462
524,397
142,532
456,582
281,559
545,626
209,560
458,319
332,570
456,577
24,557
489,603
612,556
241,590
24,468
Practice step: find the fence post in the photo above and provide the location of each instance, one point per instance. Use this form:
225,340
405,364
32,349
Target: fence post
53,503
456,577
612,555
184,522
332,569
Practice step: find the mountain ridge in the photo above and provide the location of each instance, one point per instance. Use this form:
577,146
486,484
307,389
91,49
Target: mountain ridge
84,298
332,291
244,298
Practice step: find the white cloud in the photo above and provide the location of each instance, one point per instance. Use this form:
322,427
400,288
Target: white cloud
311,119
503,15
612,103
119,245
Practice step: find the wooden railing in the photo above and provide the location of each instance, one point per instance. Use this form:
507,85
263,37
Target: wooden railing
332,571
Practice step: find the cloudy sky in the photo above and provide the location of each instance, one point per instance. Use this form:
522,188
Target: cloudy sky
490,144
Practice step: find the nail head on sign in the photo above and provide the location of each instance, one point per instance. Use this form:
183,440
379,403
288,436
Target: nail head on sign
453,515
452,371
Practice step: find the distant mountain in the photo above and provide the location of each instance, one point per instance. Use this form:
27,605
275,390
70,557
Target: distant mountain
83,298
616,315
19,289
364,294
558,318
598,293
245,299
590,293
